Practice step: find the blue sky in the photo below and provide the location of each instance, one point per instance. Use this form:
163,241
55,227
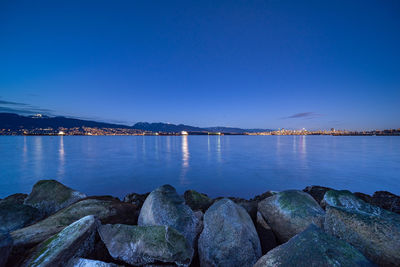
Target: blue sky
265,64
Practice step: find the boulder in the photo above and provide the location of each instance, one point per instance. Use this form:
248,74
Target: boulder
266,235
165,207
5,247
81,262
136,199
75,240
376,234
14,214
140,245
49,196
229,237
107,210
317,192
313,247
290,212
197,201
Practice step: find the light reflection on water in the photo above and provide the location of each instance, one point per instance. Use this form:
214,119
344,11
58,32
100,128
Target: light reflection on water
185,159
218,165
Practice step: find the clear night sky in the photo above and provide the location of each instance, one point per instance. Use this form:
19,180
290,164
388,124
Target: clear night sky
270,64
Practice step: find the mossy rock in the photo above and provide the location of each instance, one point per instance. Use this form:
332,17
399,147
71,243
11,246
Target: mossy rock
290,212
49,196
313,247
76,240
140,245
197,201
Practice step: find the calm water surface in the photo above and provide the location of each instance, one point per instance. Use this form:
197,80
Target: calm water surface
218,165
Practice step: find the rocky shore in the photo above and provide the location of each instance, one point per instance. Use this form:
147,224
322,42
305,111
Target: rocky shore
57,226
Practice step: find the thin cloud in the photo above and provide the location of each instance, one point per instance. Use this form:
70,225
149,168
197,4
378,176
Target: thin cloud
303,115
22,108
10,103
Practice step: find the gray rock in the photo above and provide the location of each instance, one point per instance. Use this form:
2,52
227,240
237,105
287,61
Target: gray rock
376,235
14,214
165,207
76,240
49,196
229,237
107,210
139,245
197,201
313,247
266,235
5,247
290,212
81,262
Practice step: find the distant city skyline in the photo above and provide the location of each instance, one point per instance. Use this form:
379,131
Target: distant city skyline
247,64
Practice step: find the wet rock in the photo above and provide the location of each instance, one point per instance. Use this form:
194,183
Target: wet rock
140,245
107,210
49,196
376,234
266,235
313,247
136,199
229,237
14,214
387,200
197,201
76,240
165,207
81,262
5,247
317,192
290,212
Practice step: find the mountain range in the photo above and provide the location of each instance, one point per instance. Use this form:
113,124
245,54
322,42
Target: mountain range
14,122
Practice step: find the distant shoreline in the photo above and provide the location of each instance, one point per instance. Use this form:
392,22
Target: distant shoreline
197,134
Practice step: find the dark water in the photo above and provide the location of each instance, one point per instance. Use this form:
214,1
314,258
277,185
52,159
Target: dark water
218,165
